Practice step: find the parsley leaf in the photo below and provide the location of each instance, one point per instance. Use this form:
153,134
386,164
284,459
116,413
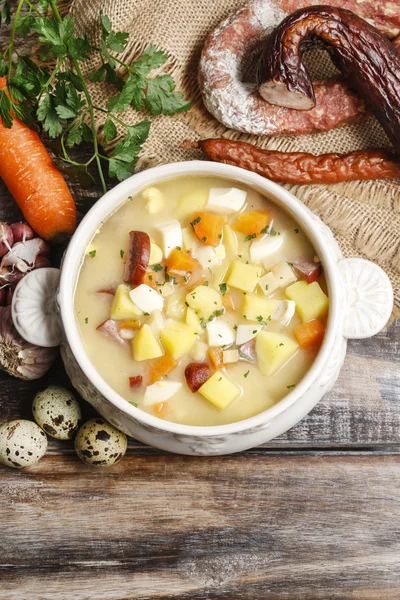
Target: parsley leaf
161,97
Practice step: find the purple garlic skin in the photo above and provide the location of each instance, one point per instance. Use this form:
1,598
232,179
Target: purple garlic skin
17,356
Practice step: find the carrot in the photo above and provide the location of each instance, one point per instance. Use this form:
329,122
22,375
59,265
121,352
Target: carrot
165,364
38,187
208,227
216,357
149,278
310,333
179,261
252,222
152,375
129,324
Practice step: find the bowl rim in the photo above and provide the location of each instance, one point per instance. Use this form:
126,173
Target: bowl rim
109,203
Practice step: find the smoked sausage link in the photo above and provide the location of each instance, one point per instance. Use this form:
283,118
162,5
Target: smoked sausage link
367,59
302,167
196,374
138,257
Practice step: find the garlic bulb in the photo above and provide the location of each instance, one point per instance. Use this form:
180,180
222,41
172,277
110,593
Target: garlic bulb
17,356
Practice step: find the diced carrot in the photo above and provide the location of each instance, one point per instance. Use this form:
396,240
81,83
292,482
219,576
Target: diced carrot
160,409
165,364
216,357
149,278
129,324
310,333
208,227
152,375
252,223
136,382
227,302
179,261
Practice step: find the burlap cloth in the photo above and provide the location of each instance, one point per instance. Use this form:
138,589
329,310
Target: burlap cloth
364,216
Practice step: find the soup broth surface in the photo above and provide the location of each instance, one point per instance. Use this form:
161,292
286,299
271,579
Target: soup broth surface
102,271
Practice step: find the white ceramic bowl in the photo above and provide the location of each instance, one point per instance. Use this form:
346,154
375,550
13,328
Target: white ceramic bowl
361,301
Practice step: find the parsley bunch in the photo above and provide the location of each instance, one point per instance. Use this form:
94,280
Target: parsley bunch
54,93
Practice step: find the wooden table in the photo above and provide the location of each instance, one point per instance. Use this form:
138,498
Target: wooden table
313,514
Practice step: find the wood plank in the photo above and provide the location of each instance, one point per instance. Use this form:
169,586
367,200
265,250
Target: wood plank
174,527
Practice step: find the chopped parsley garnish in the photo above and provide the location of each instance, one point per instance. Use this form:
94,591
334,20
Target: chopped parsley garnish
246,374
134,404
267,287
240,255
204,239
157,267
222,288
87,320
121,253
195,221
296,230
205,283
92,253
220,379
146,314
220,235
187,303
250,237
291,386
281,344
235,327
178,247
261,320
254,330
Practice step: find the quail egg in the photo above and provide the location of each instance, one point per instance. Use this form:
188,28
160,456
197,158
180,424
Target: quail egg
22,443
57,412
99,444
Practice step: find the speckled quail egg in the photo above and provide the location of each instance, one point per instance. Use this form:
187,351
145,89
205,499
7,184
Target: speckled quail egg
57,412
99,444
22,443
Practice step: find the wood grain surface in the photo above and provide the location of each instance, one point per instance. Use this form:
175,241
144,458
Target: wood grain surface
312,515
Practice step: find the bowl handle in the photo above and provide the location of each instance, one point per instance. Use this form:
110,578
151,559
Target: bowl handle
34,308
368,298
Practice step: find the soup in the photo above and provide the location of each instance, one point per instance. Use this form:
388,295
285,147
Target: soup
201,302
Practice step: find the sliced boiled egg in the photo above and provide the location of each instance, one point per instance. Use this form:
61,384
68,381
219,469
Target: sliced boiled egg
206,256
160,391
171,235
265,247
146,298
268,283
284,311
220,333
225,201
245,333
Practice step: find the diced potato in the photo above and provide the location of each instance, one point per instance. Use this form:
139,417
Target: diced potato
243,277
191,202
189,239
199,351
154,199
178,339
193,320
258,308
311,302
145,345
273,351
123,307
156,254
219,390
268,283
230,240
175,307
284,274
204,300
